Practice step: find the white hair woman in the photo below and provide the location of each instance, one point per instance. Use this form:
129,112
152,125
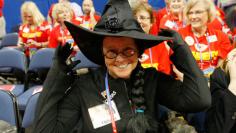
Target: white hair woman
174,20
209,46
34,30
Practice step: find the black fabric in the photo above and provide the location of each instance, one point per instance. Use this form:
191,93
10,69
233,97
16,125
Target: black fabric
60,109
117,20
223,110
177,39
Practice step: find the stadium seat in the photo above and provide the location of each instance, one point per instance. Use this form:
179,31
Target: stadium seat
9,110
85,62
12,70
9,40
39,66
29,114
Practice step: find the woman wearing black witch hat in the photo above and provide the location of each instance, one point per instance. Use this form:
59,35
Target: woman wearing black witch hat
120,96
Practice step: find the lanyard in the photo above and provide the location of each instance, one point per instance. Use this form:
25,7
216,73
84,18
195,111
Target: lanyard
64,34
113,123
150,54
220,20
199,47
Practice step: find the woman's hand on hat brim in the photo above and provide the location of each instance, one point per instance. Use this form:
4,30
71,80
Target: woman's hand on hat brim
177,39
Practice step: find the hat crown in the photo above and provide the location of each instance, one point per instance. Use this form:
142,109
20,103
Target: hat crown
117,20
116,17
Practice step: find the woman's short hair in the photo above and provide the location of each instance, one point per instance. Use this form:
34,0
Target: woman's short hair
61,7
31,7
144,6
208,6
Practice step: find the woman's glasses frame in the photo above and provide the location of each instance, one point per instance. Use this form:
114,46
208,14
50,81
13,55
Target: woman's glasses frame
127,52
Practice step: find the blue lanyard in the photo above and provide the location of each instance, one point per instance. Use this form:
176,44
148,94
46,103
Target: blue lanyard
113,123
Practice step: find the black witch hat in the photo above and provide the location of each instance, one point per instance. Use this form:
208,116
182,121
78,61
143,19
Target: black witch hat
117,20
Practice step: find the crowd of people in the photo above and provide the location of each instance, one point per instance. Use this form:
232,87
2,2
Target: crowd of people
181,58
36,32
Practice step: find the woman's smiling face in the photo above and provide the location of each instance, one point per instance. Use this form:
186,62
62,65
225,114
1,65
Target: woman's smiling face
120,55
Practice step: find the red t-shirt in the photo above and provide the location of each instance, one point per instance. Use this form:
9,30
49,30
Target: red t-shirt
156,56
59,36
39,34
234,33
171,22
84,21
219,22
76,21
220,12
158,15
1,7
207,49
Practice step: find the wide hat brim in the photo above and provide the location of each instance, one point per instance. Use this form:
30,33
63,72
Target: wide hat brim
90,42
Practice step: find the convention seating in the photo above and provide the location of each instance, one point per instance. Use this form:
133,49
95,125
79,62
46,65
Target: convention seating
30,109
9,40
9,109
85,62
39,66
12,70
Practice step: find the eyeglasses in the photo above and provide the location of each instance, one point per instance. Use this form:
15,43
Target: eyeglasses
198,12
128,52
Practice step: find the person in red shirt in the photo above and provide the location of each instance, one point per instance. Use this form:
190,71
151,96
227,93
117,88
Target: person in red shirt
60,34
220,24
231,22
156,56
2,20
161,13
174,20
157,14
77,11
90,18
34,30
209,46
